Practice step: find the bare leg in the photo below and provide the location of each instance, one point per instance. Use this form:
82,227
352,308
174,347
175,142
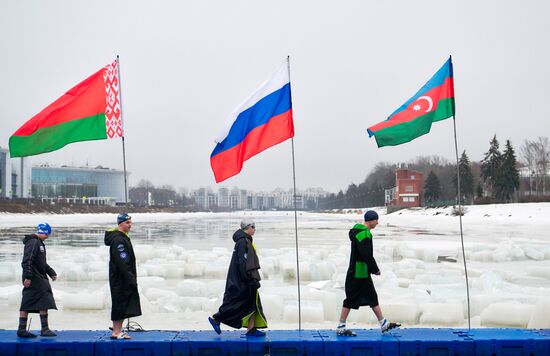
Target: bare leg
117,327
378,312
23,314
344,314
251,321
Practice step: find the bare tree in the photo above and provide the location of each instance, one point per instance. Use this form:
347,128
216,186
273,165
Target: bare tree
144,183
527,153
542,154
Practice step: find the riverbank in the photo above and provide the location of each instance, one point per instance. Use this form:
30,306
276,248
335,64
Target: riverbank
22,206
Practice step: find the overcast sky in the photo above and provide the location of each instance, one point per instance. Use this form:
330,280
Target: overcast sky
185,65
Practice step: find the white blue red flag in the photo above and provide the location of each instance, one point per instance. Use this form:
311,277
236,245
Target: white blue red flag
261,121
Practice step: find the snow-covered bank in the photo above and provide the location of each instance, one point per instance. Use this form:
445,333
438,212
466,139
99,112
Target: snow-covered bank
422,282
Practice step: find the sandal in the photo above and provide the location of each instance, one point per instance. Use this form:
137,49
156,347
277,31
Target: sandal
121,336
345,332
47,333
25,333
215,325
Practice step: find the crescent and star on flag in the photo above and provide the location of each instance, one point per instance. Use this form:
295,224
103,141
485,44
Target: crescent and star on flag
417,105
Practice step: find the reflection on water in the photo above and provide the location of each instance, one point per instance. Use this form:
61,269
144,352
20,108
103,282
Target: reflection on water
11,240
205,233
190,233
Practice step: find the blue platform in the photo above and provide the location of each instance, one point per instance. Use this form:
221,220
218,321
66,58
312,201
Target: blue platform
410,342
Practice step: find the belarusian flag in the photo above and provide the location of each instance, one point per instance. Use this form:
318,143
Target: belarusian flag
433,102
89,111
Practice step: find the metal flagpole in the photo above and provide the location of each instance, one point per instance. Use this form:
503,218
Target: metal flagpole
22,178
295,220
123,148
122,123
460,219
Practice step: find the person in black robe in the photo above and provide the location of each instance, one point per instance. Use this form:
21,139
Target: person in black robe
37,292
241,305
359,288
122,275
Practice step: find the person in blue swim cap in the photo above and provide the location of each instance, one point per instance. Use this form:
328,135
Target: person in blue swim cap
37,291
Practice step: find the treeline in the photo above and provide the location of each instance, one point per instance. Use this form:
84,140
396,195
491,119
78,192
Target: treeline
146,194
494,179
370,192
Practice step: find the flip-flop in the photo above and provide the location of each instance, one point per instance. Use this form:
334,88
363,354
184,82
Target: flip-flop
215,325
121,336
255,332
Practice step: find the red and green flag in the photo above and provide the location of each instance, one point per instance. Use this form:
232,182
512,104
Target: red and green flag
89,111
433,102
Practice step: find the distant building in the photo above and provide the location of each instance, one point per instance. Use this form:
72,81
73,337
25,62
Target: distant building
5,174
241,199
205,198
223,198
85,185
408,189
10,176
97,185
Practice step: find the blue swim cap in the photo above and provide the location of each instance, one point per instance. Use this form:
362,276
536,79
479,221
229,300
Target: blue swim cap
122,217
44,228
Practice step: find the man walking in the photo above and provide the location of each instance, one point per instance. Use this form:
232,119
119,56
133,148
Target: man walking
37,292
122,275
241,305
359,287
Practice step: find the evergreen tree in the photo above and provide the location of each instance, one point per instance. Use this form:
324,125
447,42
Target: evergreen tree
508,181
490,166
363,192
340,200
479,190
377,195
352,197
432,188
466,177
328,202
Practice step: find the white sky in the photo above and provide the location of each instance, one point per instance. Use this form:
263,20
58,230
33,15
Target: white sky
186,64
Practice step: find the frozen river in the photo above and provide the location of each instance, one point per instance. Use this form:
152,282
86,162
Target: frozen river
183,259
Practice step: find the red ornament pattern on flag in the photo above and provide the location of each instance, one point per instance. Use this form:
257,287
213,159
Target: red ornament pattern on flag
113,120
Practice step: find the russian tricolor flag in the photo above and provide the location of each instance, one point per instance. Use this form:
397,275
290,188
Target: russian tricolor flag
261,121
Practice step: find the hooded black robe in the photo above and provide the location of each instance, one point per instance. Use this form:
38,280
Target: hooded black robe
241,297
38,296
122,276
359,287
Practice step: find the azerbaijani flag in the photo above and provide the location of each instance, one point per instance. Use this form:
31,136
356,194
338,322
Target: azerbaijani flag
433,102
261,121
89,111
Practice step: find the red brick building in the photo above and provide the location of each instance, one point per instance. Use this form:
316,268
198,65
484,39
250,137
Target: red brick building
408,189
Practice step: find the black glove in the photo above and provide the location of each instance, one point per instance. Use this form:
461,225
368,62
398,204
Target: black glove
255,284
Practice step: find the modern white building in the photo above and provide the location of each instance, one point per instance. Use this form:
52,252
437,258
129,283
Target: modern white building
91,185
88,185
